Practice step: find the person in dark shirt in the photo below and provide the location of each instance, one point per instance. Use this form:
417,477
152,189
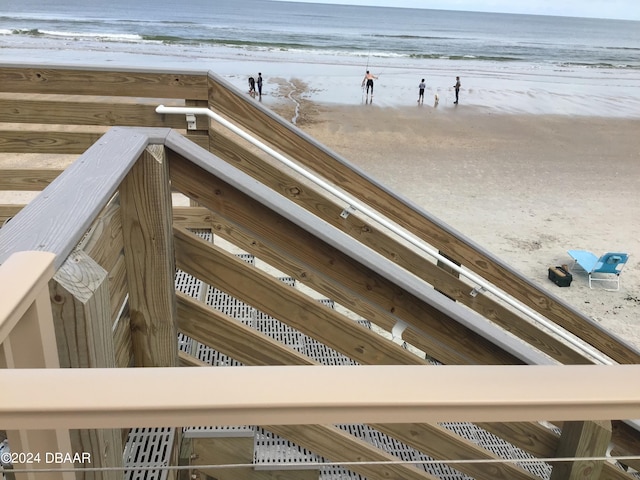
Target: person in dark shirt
260,84
421,87
457,87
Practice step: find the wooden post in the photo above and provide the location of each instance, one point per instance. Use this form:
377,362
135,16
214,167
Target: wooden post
82,317
582,439
223,451
145,198
198,133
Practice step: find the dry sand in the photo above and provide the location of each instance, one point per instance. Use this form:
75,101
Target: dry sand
525,187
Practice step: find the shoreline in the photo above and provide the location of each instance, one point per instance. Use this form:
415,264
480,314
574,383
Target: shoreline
513,94
511,87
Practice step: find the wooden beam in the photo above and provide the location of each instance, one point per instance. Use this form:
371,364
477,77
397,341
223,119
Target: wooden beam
104,81
528,435
223,451
231,337
439,443
82,314
210,327
9,211
27,179
82,317
64,111
119,289
444,281
268,294
192,217
229,451
145,196
58,142
187,360
582,439
57,221
626,441
451,341
533,438
122,342
103,241
540,441
287,138
611,471
346,448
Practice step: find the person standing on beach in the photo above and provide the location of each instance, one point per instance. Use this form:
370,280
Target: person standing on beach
368,80
260,84
457,87
421,87
252,86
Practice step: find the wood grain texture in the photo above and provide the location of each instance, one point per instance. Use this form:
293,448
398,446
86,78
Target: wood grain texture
214,329
55,142
441,279
229,451
287,138
122,342
533,438
437,442
56,220
9,211
582,439
82,317
229,336
343,447
63,111
103,241
449,340
82,314
118,287
192,217
145,199
99,81
269,295
626,440
27,179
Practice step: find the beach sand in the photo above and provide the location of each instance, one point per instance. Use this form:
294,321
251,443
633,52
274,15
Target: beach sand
525,187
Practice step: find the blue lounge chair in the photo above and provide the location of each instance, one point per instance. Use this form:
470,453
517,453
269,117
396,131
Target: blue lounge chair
607,268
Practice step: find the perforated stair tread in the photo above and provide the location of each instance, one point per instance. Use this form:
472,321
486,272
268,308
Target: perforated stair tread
148,447
270,449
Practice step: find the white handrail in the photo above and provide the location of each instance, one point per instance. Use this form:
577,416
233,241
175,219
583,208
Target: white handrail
412,239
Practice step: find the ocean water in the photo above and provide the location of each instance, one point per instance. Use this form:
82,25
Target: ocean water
536,64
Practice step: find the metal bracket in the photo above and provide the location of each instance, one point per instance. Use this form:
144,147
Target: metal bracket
477,290
191,121
348,211
397,331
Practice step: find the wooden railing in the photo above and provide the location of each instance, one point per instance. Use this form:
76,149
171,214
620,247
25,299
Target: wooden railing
128,98
138,167
108,220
